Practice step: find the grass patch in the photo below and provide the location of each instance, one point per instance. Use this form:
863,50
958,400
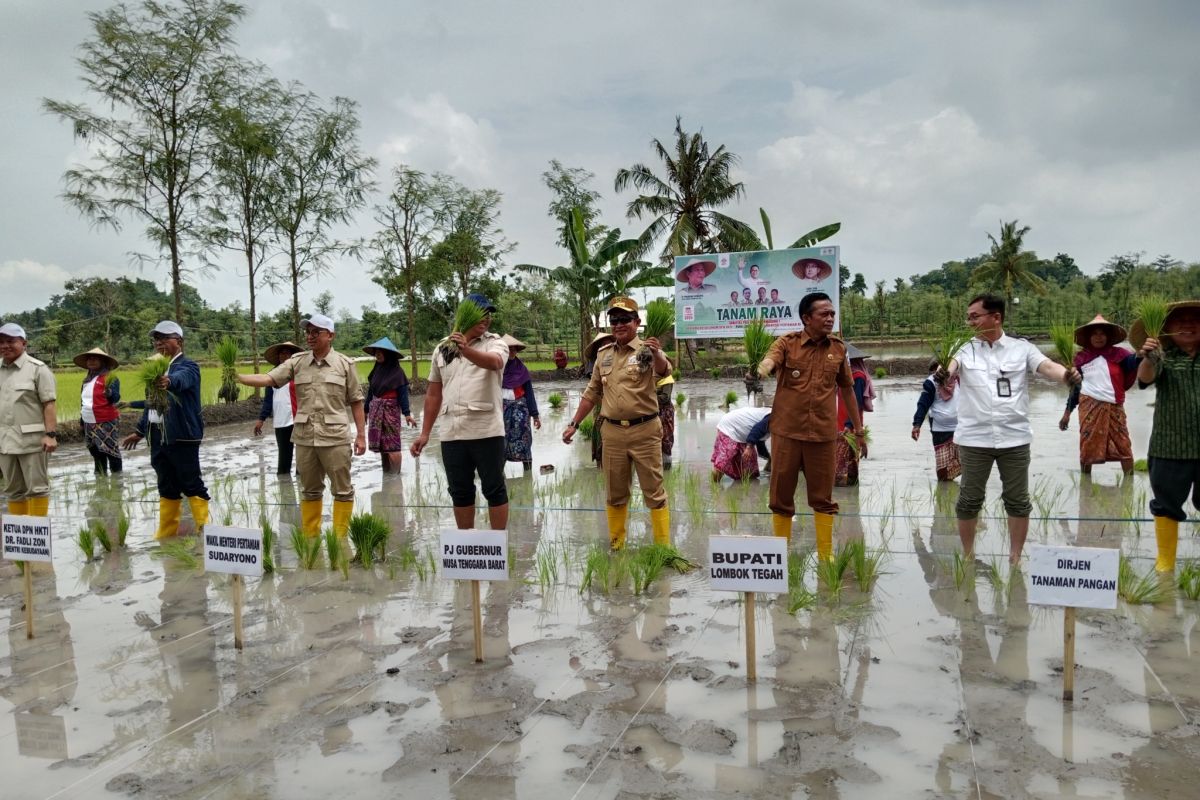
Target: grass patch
1144,589
587,428
369,534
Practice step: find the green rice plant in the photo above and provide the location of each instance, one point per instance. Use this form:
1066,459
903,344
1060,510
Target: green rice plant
369,534
677,373
227,354
1141,465
1188,579
181,551
268,543
604,570
100,534
123,525
335,547
867,563
466,316
1145,589
680,399
308,548
831,574
945,345
756,340
880,372
555,400
406,557
714,371
587,427
430,562
731,397
659,318
87,543
961,569
1062,336
546,559
852,440
1152,311
148,374
799,596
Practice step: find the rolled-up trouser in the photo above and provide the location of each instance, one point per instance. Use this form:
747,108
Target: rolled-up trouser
637,448
1172,480
26,474
463,459
177,466
316,463
1013,463
788,458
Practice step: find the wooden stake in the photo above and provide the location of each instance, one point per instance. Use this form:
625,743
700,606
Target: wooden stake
751,660
237,612
477,614
1069,654
28,600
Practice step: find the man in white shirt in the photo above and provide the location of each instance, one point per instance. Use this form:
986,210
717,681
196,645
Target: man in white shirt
993,419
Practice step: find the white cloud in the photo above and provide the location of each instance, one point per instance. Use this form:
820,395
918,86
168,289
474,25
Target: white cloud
438,137
29,284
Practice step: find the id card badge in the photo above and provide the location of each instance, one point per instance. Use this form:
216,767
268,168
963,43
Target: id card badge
1003,387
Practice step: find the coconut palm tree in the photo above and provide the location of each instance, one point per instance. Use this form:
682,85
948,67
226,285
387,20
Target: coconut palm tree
746,238
682,205
1008,266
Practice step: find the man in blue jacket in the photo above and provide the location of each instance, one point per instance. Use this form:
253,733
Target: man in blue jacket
175,433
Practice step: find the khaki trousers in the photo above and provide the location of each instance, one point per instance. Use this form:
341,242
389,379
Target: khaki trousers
636,448
816,459
26,474
316,463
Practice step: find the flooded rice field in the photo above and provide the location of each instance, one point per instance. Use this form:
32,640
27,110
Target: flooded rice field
936,680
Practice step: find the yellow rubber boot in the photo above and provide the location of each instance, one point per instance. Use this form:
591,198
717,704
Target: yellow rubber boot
199,507
342,511
39,506
18,508
660,525
310,517
824,526
168,517
1166,531
781,526
616,526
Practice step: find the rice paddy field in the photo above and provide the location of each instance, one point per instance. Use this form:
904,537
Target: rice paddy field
898,670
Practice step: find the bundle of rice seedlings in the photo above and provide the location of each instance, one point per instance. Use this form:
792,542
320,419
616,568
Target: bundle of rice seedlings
338,557
268,544
1188,579
181,551
946,345
369,533
555,400
148,374
100,534
466,316
587,428
659,320
227,354
123,525
1062,336
730,398
1144,589
648,562
680,399
87,543
308,548
867,563
852,440
1152,311
757,341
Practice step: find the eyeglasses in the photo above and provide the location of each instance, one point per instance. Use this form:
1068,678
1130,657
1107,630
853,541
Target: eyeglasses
621,319
973,317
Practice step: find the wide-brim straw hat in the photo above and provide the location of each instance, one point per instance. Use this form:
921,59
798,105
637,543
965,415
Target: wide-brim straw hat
602,338
1115,332
384,344
515,345
825,269
853,352
81,359
1137,331
709,268
275,353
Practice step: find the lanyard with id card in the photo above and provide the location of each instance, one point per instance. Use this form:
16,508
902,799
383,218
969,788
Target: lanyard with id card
1003,387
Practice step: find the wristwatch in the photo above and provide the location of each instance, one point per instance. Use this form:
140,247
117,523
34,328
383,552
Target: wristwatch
51,434
573,424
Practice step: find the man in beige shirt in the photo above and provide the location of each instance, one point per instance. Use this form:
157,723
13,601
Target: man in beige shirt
464,398
327,391
28,425
623,382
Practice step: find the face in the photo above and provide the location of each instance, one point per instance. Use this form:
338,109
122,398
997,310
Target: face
981,320
11,348
379,357
695,276
93,362
746,295
317,339
481,328
820,318
754,271
1098,339
774,294
624,325
762,293
1184,327
168,346
733,297
812,271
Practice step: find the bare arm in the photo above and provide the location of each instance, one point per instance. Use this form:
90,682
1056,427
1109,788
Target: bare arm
1147,371
1057,372
260,381
433,404
480,358
585,408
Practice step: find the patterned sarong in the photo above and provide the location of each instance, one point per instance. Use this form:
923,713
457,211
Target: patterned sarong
518,436
102,436
945,459
384,424
845,464
1103,432
734,459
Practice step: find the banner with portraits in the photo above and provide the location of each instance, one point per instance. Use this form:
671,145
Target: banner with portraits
717,295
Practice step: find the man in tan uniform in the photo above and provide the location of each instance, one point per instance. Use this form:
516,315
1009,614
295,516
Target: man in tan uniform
327,388
28,425
623,382
811,366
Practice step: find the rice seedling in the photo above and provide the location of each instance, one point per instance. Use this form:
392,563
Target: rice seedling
756,340
961,569
1188,579
1152,311
123,525
1141,465
880,372
714,372
603,569
555,400
945,346
335,547
659,318
308,548
406,556
369,534
547,564
1144,589
87,543
100,534
181,551
268,543
867,563
730,399
148,374
227,354
466,316
799,596
680,399
587,428
430,563
1062,336
832,573
852,440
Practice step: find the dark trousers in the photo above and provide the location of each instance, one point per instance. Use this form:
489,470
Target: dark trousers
283,440
1172,480
789,458
177,466
466,457
105,463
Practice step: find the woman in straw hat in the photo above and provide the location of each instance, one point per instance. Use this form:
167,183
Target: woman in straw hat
280,406
1108,372
520,407
98,410
1174,452
387,400
589,362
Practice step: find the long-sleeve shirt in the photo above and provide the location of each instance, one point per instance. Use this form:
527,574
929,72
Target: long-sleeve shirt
943,414
183,421
1099,382
401,398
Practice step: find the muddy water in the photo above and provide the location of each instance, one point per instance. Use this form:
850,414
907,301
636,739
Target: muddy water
366,686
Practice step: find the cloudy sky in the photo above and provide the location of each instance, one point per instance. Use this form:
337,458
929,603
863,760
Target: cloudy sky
919,125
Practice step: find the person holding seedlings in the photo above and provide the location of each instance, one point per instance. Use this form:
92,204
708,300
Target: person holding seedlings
846,468
597,440
175,430
812,369
328,394
741,435
98,410
520,406
28,424
387,399
465,394
1108,372
1174,452
624,380
280,406
993,419
939,402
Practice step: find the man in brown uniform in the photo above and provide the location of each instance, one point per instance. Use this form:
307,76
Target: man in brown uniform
326,388
623,381
28,425
811,366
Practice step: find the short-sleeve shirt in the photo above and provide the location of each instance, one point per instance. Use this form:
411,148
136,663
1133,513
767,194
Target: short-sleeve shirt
808,373
1176,432
472,407
993,392
325,390
25,386
620,385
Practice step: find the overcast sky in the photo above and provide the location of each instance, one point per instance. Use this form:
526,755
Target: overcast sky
918,125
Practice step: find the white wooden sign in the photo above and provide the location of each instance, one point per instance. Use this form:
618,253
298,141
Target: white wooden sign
41,736
474,555
1074,577
235,551
748,564
27,538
